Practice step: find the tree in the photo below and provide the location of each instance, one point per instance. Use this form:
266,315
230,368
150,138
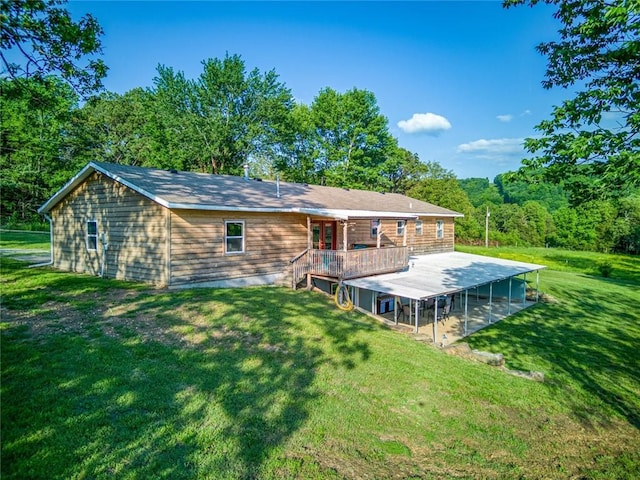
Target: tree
480,191
39,39
351,139
403,170
627,225
591,142
36,155
217,122
121,129
298,160
440,187
512,190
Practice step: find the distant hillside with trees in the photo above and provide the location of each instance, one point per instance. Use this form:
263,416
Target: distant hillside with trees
542,214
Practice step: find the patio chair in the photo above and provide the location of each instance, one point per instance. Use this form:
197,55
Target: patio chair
443,313
404,310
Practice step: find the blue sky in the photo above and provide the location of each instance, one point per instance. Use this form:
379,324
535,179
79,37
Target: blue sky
459,82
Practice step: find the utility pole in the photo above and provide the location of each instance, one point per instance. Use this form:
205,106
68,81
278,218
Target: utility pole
486,229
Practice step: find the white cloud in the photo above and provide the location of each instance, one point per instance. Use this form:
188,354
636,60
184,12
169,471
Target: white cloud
526,112
426,123
505,118
497,146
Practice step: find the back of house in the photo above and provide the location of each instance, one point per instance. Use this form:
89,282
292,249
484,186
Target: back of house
181,229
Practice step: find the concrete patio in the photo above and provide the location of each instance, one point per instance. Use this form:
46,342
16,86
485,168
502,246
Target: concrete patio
479,315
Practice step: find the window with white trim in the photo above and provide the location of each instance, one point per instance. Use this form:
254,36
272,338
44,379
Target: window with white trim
92,235
234,236
439,229
418,227
375,228
400,226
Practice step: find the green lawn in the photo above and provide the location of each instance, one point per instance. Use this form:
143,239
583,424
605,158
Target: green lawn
623,267
105,379
24,239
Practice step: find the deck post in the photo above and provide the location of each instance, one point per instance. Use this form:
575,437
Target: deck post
396,302
524,291
309,239
509,306
490,301
466,312
416,314
435,321
345,231
537,285
404,235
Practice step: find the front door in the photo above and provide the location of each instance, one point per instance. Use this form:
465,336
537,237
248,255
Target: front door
324,235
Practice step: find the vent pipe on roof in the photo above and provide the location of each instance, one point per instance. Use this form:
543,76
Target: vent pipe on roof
278,185
246,171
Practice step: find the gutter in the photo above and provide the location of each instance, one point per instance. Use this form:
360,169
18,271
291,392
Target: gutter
50,262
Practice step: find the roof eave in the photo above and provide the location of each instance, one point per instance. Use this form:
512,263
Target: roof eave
68,187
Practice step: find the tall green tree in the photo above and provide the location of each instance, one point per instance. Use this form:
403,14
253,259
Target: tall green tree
402,170
298,160
39,38
218,121
351,138
627,225
120,129
591,143
36,152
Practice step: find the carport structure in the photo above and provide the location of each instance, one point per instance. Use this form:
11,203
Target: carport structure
436,275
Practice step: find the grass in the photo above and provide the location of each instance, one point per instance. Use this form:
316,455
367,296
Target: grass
26,239
104,379
624,267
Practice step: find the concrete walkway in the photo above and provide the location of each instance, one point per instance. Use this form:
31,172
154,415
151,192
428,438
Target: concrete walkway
30,256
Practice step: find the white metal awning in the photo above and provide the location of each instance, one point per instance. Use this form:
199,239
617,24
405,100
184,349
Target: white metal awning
443,273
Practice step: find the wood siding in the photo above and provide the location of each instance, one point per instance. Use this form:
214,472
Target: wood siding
149,243
359,232
427,242
198,246
133,224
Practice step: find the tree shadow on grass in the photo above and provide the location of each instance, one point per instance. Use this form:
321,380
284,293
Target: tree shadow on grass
202,383
589,338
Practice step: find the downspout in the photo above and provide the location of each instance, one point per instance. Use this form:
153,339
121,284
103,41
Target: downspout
50,262
105,247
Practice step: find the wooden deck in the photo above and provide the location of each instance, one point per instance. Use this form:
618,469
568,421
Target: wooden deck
341,264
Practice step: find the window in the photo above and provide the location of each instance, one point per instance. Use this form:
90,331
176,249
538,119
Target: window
234,236
439,229
375,228
418,227
92,235
400,227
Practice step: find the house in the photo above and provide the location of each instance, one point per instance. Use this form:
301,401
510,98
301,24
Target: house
183,228
175,229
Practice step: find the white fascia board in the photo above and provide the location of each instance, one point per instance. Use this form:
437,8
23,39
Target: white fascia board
227,208
320,212
378,214
86,172
70,185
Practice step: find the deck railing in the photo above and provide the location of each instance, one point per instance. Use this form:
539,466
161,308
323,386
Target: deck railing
350,263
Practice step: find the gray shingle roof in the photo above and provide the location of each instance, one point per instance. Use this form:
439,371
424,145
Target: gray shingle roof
190,190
